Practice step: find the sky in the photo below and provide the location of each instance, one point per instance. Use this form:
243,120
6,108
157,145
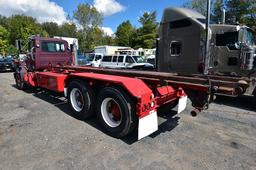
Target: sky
114,11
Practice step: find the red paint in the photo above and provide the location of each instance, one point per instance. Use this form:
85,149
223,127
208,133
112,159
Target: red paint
40,59
136,87
51,81
115,110
165,90
166,94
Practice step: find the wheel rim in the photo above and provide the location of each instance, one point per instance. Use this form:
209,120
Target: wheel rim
111,112
77,99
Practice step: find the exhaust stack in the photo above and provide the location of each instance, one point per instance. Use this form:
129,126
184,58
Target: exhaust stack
223,15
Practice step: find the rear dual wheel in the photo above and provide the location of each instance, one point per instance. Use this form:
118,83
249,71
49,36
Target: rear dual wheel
116,111
81,99
115,108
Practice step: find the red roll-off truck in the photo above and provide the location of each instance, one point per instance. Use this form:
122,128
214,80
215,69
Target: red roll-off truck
123,100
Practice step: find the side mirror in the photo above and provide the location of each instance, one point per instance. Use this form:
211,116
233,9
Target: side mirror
238,45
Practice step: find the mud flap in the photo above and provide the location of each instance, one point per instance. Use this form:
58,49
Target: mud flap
147,125
182,103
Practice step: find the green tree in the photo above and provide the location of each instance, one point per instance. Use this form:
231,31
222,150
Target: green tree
201,7
146,35
21,27
198,5
4,34
67,30
243,12
90,20
108,40
236,10
11,49
51,28
95,37
4,21
216,12
124,34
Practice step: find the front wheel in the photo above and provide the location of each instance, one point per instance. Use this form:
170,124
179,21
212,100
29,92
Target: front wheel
116,112
81,99
19,80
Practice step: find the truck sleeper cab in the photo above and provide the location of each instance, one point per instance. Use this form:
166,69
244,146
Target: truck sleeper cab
181,47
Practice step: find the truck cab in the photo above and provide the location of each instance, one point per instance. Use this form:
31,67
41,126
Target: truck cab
231,50
94,59
181,41
43,52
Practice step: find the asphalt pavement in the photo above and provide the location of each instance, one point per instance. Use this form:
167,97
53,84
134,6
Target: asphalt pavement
37,131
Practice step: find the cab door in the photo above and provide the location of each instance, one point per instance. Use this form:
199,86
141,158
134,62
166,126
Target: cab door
97,60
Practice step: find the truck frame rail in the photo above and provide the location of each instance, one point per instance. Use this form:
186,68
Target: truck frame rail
200,88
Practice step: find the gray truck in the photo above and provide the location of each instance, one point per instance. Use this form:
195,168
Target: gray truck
181,46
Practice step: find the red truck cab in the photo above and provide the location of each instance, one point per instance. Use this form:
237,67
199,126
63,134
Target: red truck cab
45,52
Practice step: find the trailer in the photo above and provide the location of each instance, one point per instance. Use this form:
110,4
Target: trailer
123,100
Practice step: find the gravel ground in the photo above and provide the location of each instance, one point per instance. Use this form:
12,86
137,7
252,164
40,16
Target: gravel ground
37,132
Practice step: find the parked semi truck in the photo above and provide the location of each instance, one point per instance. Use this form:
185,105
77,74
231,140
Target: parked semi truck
123,100
181,46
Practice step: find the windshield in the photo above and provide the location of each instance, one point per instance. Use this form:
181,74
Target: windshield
248,37
90,57
139,59
80,55
228,39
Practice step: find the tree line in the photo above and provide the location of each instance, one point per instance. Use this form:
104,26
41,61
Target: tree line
85,24
237,11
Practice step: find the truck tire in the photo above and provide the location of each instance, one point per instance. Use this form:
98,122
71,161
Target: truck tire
80,99
116,112
19,80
